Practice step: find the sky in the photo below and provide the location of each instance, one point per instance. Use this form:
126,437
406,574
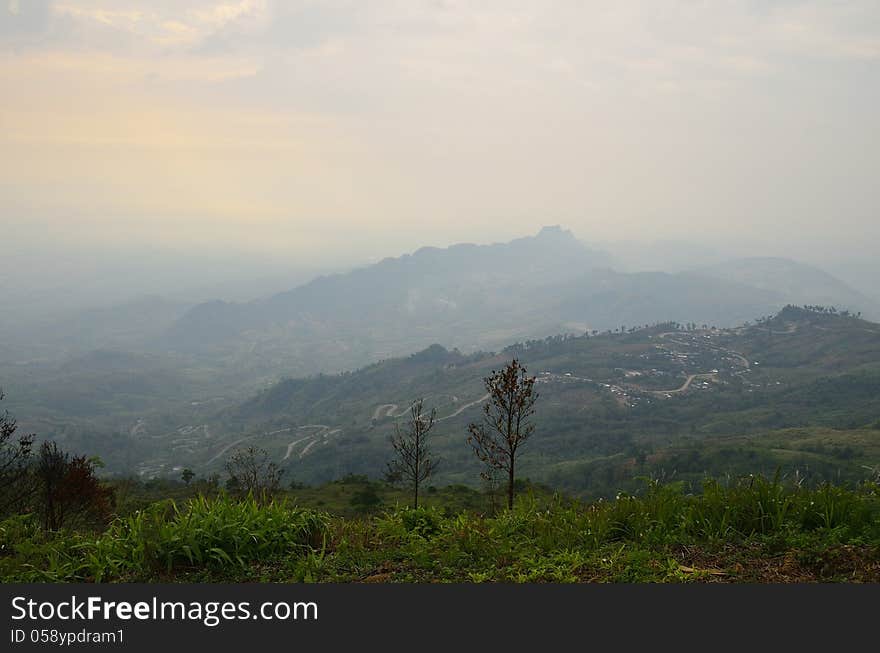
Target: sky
347,130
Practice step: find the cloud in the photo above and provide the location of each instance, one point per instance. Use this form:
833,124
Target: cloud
619,117
22,20
147,26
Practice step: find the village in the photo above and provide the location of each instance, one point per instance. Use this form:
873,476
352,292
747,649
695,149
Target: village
672,363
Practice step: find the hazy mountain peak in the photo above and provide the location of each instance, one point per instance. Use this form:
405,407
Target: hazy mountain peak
479,296
546,235
555,231
551,235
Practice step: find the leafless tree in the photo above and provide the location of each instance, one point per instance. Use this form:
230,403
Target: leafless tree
15,459
251,472
413,462
506,421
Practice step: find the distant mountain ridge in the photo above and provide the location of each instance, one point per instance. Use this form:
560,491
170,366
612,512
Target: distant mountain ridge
600,396
400,304
547,257
796,282
476,297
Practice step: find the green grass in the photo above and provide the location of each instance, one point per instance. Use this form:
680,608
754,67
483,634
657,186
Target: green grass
206,533
756,529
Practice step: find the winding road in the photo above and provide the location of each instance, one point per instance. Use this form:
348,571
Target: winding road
387,410
228,447
323,432
293,444
684,386
461,409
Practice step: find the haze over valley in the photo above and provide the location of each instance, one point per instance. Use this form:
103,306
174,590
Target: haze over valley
317,374
255,221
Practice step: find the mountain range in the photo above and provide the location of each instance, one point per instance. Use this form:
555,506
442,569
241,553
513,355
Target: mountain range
476,297
152,384
673,397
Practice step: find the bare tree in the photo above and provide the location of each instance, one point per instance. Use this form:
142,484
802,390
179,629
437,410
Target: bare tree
413,462
506,421
16,484
51,468
251,472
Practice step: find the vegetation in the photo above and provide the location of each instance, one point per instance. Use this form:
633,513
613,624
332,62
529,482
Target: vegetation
252,473
752,530
602,407
413,463
15,458
211,534
755,474
60,490
809,369
68,493
506,422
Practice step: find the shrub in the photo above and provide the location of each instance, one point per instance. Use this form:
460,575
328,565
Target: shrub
407,522
209,532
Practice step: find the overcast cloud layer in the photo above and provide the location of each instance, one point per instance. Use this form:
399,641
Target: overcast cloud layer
331,129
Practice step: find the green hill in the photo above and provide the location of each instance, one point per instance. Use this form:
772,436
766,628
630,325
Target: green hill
612,406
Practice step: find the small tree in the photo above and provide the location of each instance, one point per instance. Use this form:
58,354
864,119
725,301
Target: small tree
413,462
187,475
506,421
70,494
251,472
15,459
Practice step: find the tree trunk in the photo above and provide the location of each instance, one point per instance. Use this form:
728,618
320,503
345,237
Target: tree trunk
510,486
416,476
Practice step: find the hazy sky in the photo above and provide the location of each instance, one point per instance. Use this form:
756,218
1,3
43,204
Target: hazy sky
329,129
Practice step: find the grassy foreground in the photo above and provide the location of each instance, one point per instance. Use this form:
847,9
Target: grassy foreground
756,530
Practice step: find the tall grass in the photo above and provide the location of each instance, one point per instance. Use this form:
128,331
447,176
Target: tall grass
211,533
660,516
538,540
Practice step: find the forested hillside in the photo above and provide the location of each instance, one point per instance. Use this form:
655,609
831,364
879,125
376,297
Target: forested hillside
800,389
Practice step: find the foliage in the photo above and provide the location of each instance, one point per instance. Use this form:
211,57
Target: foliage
752,529
366,499
816,370
69,494
15,460
165,538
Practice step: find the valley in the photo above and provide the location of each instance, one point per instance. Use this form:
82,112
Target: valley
628,365
611,405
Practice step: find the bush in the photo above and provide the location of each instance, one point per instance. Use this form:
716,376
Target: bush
207,533
30,554
366,499
407,523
